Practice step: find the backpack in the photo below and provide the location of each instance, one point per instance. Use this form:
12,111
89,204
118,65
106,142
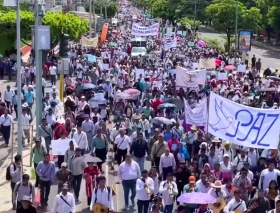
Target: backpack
95,192
8,173
238,160
29,184
223,151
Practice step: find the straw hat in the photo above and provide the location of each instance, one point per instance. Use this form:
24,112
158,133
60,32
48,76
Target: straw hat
193,127
216,139
217,185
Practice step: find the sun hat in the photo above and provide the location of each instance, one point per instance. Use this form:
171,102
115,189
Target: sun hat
218,184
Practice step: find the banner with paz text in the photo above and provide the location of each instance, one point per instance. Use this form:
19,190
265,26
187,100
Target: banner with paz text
243,125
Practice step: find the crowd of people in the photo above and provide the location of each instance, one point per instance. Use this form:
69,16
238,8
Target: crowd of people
134,123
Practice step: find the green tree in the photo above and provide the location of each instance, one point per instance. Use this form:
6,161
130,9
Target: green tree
190,22
160,9
273,18
72,25
68,23
223,14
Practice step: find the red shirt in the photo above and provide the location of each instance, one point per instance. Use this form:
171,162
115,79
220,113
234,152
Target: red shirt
90,178
156,103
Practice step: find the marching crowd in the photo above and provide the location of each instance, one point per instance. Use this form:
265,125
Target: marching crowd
136,124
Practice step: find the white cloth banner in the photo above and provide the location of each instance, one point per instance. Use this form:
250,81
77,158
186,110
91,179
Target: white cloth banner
138,30
191,79
243,125
60,146
198,115
171,44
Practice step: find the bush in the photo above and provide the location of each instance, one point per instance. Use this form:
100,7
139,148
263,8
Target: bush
213,43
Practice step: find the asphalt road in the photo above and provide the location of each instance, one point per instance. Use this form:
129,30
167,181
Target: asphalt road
111,178
269,57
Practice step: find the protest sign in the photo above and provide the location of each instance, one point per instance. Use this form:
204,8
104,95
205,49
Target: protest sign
222,76
60,146
138,30
139,73
241,68
198,115
189,79
207,63
243,125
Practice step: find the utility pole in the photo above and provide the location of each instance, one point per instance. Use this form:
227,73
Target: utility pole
105,10
236,30
19,109
94,17
38,65
195,1
90,18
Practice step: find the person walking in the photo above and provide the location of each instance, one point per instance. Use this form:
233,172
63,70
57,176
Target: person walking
23,188
139,148
167,164
158,149
64,202
121,145
15,173
63,176
6,121
77,166
46,132
128,173
37,155
46,172
26,205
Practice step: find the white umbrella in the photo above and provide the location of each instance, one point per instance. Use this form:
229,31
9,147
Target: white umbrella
92,159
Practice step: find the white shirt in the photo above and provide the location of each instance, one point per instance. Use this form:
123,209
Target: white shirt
201,188
103,198
225,168
216,194
56,100
81,139
232,204
163,189
6,121
50,119
25,121
254,156
267,176
239,162
229,152
141,190
8,95
250,175
129,171
122,142
61,206
53,70
167,161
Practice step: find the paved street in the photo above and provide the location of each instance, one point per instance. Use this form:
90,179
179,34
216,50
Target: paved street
268,57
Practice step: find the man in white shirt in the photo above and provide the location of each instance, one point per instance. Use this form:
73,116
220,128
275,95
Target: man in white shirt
168,189
64,202
53,73
26,125
216,191
268,175
102,194
128,173
8,95
6,121
236,203
240,159
167,163
144,189
121,145
80,138
203,185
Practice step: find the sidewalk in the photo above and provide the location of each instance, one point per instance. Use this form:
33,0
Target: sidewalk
6,193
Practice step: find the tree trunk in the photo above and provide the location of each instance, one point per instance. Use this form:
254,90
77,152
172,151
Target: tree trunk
228,42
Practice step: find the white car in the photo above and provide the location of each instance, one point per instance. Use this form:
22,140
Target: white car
136,51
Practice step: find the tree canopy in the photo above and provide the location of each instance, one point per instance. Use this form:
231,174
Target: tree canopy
223,14
72,25
112,8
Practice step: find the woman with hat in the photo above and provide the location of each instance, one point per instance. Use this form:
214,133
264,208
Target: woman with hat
216,142
226,167
26,206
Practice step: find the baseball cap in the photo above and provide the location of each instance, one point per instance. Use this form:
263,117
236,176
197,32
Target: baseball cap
64,164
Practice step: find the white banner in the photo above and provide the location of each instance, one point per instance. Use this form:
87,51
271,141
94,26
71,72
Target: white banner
198,115
138,30
243,125
190,79
60,146
207,63
170,42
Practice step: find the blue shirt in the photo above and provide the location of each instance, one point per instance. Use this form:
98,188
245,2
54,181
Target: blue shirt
167,135
29,96
46,172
